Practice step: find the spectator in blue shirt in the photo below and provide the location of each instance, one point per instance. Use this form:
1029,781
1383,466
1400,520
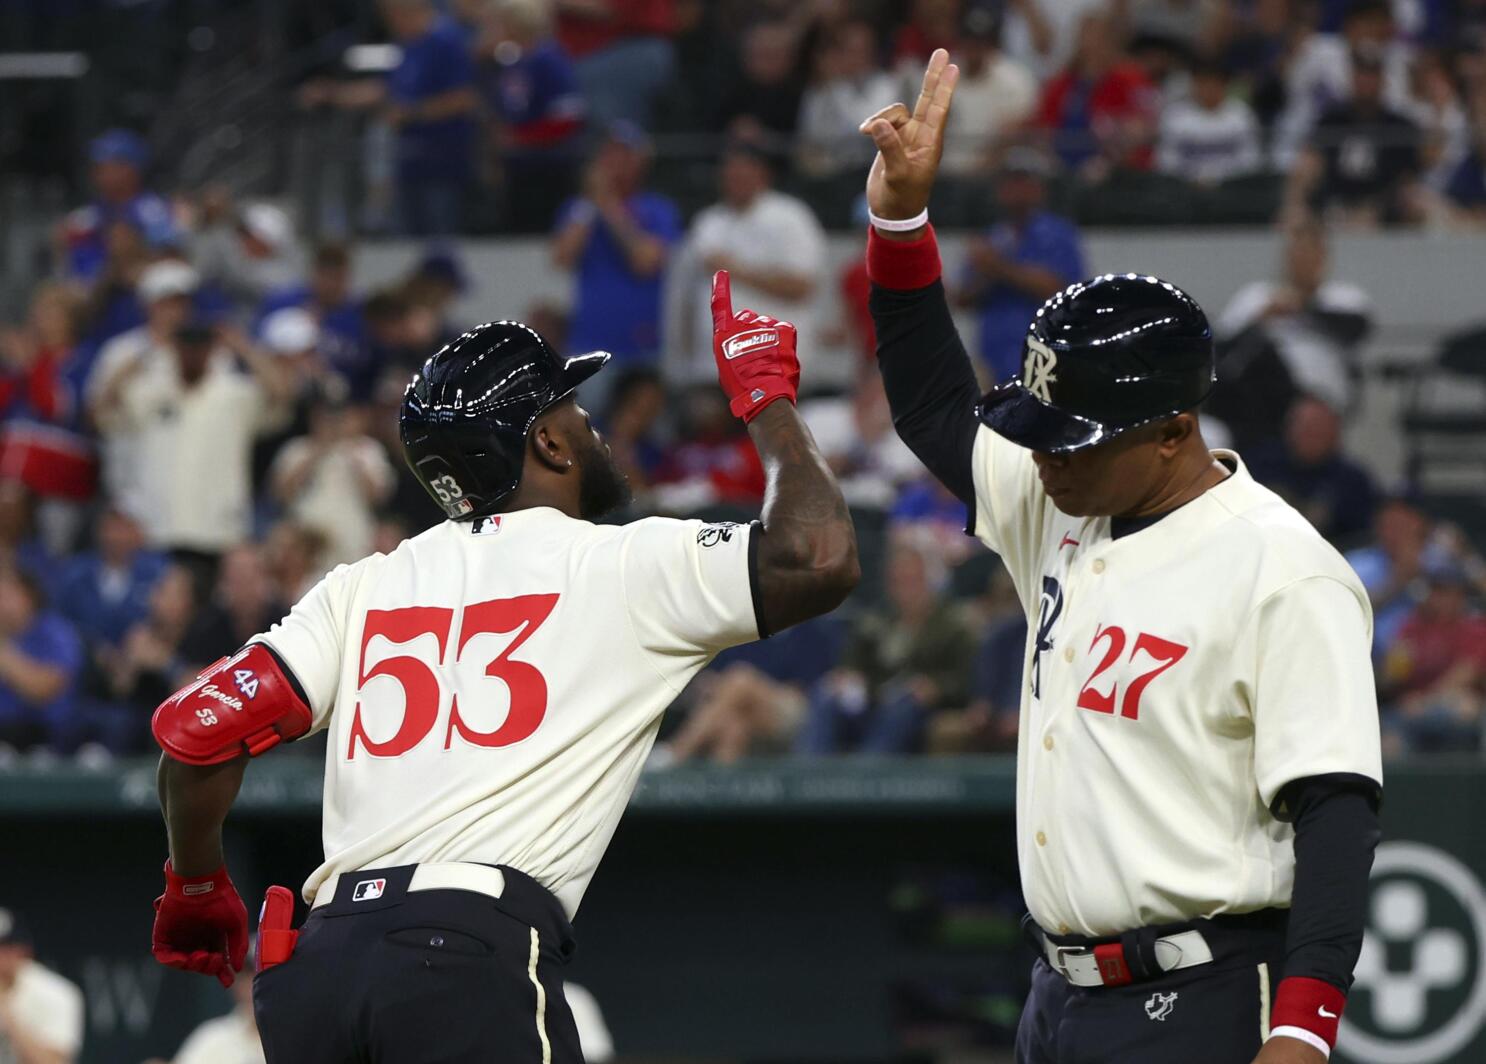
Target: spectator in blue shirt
342,338
118,159
40,658
1391,567
616,238
533,90
431,101
1026,257
104,591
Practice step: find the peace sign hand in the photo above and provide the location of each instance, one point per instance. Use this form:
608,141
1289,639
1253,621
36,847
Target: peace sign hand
909,145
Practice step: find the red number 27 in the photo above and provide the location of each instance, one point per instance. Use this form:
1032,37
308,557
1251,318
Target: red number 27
1163,651
419,679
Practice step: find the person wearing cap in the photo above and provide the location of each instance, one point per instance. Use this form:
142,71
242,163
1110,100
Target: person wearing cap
1024,258
41,1012
117,158
616,240
190,417
1364,160
775,250
167,289
328,297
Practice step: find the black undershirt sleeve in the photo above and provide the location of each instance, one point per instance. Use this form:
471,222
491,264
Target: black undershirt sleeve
930,386
1336,832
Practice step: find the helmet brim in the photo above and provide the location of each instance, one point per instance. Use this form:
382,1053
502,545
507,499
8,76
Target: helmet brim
1011,411
578,369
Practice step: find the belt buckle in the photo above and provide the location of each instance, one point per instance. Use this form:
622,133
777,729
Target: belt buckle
1059,952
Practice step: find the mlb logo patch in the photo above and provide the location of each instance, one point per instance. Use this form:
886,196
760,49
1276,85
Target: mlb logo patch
485,526
369,890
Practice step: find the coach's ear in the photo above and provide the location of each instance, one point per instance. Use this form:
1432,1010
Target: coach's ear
1175,432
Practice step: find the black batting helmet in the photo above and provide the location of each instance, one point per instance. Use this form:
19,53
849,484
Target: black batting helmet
1102,357
466,413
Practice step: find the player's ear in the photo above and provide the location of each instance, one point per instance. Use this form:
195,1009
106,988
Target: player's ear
549,445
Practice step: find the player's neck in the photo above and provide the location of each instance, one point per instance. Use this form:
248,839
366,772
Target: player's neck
533,496
1195,475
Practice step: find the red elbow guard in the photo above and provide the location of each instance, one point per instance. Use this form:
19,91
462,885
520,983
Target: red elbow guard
241,704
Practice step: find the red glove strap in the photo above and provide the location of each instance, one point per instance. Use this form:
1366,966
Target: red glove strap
196,886
903,266
1308,1005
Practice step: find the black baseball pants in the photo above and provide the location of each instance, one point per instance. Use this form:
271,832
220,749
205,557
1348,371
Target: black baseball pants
1215,1013
425,977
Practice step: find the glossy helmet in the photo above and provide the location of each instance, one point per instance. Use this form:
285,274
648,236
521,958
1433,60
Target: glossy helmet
466,414
1102,357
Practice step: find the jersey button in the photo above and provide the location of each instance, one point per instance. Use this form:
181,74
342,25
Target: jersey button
1047,742
1064,929
1068,654
1098,566
1041,839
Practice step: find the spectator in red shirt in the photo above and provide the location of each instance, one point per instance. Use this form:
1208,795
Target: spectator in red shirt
623,52
931,24
1433,681
715,464
1101,110
41,376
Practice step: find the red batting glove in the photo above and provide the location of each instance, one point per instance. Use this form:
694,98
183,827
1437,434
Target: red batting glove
756,361
201,925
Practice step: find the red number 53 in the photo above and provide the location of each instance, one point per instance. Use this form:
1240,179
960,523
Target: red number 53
1163,651
421,687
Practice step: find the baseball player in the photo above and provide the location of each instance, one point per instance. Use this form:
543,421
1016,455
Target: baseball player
1198,766
491,689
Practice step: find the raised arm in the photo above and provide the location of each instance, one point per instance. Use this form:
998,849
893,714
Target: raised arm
807,554
926,373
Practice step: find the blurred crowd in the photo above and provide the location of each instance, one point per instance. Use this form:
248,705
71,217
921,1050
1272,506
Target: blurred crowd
1370,112
197,410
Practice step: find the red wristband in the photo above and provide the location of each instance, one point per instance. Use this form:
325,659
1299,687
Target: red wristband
903,266
195,886
1306,1005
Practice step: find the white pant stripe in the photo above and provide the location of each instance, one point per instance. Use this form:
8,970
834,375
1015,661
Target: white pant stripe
531,971
1263,1002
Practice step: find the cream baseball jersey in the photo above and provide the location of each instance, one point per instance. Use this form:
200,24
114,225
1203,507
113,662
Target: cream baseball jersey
1176,678
492,688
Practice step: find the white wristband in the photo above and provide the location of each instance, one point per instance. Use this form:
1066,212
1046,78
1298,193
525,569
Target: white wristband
1310,1038
899,225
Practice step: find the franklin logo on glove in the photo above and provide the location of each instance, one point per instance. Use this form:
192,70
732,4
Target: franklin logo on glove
741,345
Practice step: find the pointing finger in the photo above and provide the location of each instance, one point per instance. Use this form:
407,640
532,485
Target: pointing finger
722,299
